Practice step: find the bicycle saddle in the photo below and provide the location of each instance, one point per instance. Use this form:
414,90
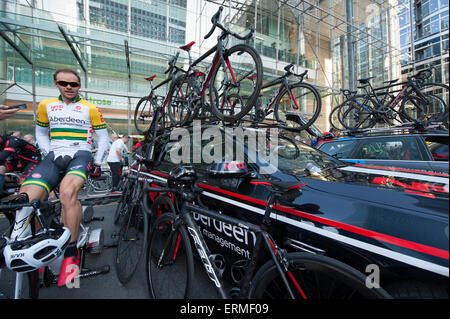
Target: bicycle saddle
391,81
365,81
188,46
150,78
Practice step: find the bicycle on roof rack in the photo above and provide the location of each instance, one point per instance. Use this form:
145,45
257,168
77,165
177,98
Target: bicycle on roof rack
227,80
333,118
416,102
296,106
153,105
271,271
401,128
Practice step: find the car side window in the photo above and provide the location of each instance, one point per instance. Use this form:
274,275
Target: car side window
393,148
438,147
339,149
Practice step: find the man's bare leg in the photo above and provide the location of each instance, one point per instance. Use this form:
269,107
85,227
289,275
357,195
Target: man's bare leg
71,215
71,207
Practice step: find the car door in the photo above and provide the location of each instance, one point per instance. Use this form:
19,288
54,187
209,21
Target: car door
395,151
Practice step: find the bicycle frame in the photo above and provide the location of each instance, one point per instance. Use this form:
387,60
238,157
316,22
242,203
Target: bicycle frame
262,239
395,100
285,85
218,49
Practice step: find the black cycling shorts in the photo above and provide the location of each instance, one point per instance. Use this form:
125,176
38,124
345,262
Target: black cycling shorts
50,171
22,166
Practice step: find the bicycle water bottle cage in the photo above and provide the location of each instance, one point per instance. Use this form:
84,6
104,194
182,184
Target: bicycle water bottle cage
188,46
150,78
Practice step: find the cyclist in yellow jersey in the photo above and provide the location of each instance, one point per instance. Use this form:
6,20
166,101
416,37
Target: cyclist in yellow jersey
71,121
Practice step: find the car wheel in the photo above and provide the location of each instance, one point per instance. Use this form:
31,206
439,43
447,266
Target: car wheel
418,290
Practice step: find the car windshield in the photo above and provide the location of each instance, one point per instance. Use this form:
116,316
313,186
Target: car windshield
297,158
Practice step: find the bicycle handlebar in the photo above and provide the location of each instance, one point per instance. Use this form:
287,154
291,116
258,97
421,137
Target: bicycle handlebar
289,72
215,20
172,63
35,203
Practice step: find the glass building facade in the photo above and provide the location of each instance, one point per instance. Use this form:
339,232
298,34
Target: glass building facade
426,23
337,41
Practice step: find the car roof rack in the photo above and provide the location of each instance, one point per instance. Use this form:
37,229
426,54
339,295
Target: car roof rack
397,129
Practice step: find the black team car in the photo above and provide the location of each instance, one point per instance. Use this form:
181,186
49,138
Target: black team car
390,220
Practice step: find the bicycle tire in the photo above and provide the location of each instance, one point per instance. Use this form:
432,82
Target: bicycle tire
122,206
334,120
439,97
334,279
353,114
174,278
132,238
178,103
413,109
144,113
299,91
236,55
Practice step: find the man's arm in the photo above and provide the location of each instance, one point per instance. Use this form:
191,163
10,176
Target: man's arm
42,139
103,145
42,126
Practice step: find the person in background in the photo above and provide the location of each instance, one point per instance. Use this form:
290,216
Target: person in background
116,160
17,134
29,138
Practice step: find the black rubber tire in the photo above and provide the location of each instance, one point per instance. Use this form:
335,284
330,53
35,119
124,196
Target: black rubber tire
256,69
122,206
306,90
174,279
356,113
416,289
178,106
132,238
143,114
310,270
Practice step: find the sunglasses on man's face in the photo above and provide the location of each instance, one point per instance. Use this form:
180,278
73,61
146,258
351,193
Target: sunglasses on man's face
64,84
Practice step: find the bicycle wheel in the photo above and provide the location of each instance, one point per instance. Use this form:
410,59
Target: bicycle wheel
313,276
132,239
357,113
334,120
300,98
178,103
413,109
232,79
169,260
122,206
143,113
437,95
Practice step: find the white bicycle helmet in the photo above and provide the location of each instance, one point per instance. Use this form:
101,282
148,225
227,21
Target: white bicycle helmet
36,252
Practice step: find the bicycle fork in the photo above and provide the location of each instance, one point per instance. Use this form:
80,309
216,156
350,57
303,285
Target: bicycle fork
205,254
